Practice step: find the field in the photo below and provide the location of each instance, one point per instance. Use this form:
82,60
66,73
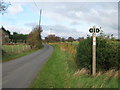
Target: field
60,71
15,51
12,49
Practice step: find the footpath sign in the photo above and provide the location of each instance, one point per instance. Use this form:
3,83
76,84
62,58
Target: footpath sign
94,30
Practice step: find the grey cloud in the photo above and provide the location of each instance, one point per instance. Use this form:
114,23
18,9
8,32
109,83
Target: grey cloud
61,30
75,13
31,24
74,23
102,14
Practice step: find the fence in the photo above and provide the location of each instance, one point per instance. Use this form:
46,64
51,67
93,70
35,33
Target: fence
14,49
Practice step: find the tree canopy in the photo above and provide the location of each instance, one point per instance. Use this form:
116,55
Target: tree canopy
34,38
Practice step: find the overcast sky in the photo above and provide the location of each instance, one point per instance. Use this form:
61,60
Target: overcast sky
62,18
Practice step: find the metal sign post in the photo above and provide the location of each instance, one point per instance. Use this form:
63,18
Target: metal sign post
94,30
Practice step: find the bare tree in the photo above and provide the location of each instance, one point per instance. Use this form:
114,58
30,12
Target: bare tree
3,6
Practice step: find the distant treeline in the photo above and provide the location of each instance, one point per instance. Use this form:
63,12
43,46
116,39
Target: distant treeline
18,37
52,38
7,37
33,38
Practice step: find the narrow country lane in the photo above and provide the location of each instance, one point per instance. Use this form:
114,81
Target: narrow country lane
20,72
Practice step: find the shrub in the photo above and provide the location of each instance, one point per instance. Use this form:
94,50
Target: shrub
34,38
84,54
3,52
106,54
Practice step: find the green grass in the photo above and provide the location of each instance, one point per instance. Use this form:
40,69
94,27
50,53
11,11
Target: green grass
8,57
16,51
58,73
12,49
74,42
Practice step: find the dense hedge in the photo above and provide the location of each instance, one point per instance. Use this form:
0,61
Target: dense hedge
107,54
3,52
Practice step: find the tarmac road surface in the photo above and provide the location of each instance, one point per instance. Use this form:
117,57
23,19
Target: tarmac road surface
20,72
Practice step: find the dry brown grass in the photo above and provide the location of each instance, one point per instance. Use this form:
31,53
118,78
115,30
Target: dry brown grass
71,49
110,73
81,72
99,73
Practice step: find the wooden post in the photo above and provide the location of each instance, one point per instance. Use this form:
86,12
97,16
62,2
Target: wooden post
18,48
94,30
23,47
94,55
12,47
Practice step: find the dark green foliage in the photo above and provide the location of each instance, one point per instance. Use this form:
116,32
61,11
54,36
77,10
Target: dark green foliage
18,37
3,52
63,39
15,38
107,53
84,54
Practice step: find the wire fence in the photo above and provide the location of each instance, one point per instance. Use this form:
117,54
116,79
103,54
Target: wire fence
14,49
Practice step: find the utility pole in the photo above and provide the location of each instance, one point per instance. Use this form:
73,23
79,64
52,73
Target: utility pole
40,18
94,30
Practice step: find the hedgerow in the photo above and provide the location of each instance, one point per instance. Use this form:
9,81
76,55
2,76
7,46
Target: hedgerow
106,54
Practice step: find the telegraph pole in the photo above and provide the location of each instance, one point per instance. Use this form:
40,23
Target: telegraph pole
40,18
94,30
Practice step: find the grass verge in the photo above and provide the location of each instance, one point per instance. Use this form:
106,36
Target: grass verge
8,57
59,71
14,56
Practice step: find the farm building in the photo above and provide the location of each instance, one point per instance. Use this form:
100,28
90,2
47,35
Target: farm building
4,36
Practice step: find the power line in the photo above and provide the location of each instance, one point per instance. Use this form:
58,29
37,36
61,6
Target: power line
36,4
40,12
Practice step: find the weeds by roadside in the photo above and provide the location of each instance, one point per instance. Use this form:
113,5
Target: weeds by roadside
61,71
